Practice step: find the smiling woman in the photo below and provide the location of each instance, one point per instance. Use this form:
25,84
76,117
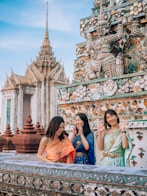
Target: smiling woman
55,145
83,140
114,140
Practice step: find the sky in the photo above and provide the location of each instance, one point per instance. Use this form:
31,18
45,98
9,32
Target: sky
22,30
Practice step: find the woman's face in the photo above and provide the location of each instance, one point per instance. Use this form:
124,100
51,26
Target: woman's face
79,122
61,129
111,119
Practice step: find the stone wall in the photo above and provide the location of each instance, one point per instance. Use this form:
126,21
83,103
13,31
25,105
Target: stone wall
126,94
19,177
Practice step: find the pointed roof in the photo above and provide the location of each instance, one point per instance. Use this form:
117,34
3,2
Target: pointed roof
46,42
14,80
45,67
46,64
46,57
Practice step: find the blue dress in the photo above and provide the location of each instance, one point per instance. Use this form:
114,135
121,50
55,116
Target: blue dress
87,156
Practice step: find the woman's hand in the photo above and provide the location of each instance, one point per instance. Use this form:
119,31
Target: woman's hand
100,128
101,133
73,133
122,126
80,130
74,130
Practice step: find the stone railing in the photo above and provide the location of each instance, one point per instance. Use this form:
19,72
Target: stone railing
19,177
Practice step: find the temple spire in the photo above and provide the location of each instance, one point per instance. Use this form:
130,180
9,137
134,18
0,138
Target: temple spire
46,42
46,61
46,33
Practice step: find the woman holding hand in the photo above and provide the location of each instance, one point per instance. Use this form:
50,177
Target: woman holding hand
83,141
114,140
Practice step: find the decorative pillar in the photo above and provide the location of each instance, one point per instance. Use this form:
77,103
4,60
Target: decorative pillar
38,101
14,110
39,130
8,136
3,112
47,103
20,108
2,142
53,101
43,104
28,141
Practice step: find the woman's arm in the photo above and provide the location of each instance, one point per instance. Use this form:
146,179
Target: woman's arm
41,150
83,138
84,141
124,140
100,140
69,158
73,134
124,137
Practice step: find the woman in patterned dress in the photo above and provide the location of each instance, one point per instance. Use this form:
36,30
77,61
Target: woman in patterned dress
83,141
114,140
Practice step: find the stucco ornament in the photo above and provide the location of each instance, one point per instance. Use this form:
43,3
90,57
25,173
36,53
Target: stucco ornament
135,8
81,92
110,88
140,84
102,63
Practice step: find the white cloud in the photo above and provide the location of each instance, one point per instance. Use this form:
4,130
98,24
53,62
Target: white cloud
63,17
12,44
58,17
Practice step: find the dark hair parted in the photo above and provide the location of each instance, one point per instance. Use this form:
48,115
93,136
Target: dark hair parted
111,112
54,126
86,127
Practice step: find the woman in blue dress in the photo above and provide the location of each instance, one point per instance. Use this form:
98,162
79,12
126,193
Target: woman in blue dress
83,141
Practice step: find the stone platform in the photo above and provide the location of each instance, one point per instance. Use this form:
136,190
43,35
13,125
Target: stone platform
25,175
12,155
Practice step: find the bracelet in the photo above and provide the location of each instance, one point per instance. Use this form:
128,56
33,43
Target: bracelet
123,131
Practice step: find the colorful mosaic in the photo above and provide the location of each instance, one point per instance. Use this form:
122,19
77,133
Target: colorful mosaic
110,70
19,178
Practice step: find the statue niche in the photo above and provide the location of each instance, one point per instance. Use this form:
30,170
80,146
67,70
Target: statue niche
101,62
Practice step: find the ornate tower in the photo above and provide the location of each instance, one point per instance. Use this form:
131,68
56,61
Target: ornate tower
34,93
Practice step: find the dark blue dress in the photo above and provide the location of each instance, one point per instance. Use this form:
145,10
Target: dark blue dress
87,156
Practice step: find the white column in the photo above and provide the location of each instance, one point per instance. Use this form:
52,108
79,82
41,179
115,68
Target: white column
47,100
53,101
20,109
3,113
43,104
38,102
14,111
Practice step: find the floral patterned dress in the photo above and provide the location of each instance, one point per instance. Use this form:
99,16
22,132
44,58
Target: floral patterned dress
86,156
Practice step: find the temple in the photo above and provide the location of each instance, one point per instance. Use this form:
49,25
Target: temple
33,94
110,71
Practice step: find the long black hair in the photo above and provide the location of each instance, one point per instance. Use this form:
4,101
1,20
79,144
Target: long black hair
54,126
111,112
86,127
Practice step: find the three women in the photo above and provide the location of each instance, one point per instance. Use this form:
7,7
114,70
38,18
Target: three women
113,139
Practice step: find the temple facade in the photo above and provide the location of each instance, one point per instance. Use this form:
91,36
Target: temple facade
34,93
110,71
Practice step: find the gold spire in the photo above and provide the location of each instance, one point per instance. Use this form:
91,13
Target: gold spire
46,61
46,42
46,33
